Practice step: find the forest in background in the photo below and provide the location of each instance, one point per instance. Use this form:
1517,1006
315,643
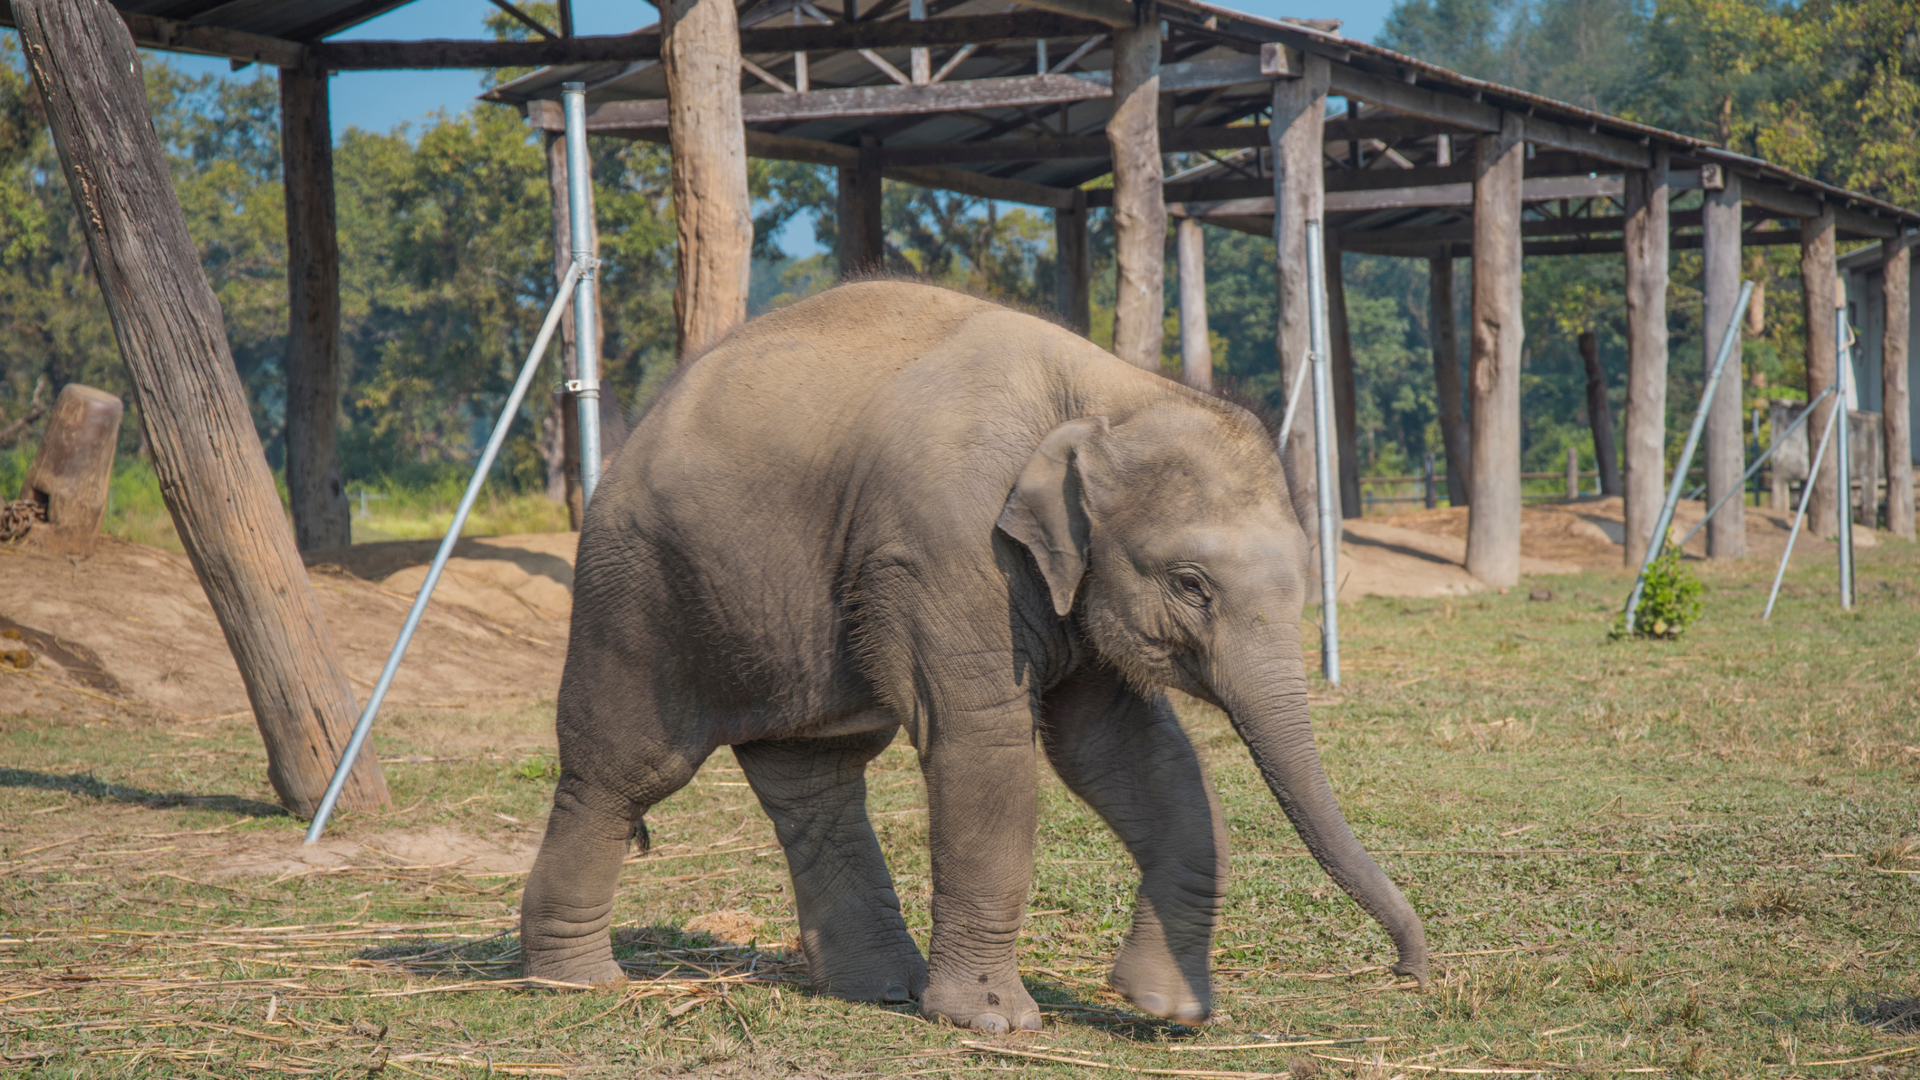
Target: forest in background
444,235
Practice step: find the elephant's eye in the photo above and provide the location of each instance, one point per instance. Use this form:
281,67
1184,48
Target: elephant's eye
1192,588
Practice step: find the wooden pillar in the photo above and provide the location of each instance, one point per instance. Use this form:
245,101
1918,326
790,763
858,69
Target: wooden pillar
701,55
1340,339
1820,285
1139,208
1606,458
568,420
1299,195
1446,374
1894,403
1493,519
1073,264
173,341
1644,475
321,516
1725,441
862,247
1196,352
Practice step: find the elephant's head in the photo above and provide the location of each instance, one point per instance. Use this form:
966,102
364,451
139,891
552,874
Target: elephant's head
1170,536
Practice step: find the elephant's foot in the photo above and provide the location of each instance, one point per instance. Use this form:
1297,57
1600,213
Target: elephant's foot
1147,974
578,961
887,970
995,1005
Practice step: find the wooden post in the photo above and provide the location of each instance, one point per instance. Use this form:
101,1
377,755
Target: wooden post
563,402
1298,132
212,472
1340,339
1819,285
1196,352
1072,267
73,468
701,54
1644,477
321,516
1493,520
1725,442
1431,493
1446,374
1894,402
1573,473
1139,208
1606,460
862,246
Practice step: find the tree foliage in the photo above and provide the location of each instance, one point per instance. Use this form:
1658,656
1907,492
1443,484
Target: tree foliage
446,263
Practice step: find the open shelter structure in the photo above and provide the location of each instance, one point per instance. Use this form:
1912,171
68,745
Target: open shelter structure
1029,102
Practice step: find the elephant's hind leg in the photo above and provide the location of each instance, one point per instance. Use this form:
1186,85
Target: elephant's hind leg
568,905
607,784
1127,757
815,791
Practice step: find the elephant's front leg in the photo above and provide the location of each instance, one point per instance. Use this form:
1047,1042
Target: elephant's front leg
1127,757
979,767
851,929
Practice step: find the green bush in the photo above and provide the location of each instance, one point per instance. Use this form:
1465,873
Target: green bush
1669,602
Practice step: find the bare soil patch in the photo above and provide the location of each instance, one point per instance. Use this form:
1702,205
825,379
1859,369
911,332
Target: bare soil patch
131,623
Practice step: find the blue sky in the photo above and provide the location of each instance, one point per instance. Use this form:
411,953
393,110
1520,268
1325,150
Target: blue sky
380,100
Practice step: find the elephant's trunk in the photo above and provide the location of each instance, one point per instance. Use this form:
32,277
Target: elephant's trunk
1271,716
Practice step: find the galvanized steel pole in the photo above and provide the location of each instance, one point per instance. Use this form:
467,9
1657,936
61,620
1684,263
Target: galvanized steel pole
1843,454
1806,495
507,413
1659,539
1323,436
585,388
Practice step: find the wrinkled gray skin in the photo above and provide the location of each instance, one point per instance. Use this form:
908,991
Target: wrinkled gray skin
896,506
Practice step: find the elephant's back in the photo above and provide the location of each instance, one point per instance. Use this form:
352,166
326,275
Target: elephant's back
863,377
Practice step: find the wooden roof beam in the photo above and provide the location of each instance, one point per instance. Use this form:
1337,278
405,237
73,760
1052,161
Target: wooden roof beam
153,32
1449,108
895,100
1116,13
766,145
764,39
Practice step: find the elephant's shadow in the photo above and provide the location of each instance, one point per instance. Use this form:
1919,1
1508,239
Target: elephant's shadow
670,953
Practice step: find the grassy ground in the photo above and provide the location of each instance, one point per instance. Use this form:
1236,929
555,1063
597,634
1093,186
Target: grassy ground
1699,857
392,511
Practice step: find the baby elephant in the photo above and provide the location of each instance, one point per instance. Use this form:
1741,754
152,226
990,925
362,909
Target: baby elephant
891,506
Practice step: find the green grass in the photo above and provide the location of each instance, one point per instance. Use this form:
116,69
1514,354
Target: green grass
1691,857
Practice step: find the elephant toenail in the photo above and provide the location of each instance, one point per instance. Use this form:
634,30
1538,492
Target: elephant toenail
1152,1003
896,992
991,1023
1030,1022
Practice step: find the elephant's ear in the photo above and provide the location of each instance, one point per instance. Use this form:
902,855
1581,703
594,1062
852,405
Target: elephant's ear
1047,510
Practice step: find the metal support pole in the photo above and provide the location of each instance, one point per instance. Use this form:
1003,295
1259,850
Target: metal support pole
1754,469
440,557
1843,453
1293,400
1659,538
586,388
1323,436
1806,493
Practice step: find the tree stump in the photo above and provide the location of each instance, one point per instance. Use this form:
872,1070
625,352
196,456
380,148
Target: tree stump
69,476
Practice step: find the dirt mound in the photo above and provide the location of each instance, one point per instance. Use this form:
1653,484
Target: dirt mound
135,617
509,579
1423,552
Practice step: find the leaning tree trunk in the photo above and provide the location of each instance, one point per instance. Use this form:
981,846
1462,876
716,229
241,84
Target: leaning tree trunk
212,471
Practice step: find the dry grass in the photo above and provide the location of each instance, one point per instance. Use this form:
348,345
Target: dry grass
1695,858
